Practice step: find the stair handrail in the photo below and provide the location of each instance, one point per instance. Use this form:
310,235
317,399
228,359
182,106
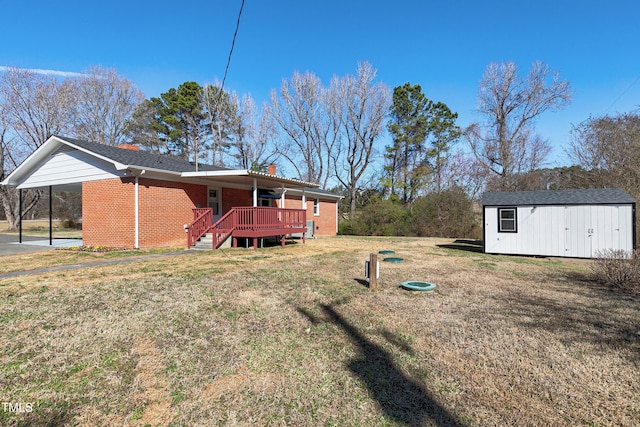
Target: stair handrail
223,227
202,222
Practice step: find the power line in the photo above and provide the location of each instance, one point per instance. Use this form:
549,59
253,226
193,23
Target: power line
623,93
233,43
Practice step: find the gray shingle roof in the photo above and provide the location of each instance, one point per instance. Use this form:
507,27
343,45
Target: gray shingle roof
141,158
589,196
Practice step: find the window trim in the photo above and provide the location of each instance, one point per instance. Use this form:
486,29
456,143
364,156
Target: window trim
316,207
515,219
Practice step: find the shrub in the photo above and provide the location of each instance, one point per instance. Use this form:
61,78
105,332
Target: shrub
614,268
446,214
379,217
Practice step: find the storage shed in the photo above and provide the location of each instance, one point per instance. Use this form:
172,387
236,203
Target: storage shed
564,223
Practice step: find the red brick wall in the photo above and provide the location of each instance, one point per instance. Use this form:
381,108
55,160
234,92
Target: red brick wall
164,209
107,213
233,197
325,223
108,217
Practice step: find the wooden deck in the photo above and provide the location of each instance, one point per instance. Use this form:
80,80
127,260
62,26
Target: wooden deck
247,222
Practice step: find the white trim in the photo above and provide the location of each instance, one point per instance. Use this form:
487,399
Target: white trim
316,204
207,174
313,192
249,173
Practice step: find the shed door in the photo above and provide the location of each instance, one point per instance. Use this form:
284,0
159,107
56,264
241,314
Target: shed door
579,231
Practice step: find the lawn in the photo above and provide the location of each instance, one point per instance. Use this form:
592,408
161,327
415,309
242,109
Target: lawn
292,336
40,228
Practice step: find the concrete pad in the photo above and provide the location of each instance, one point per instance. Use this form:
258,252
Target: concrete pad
9,244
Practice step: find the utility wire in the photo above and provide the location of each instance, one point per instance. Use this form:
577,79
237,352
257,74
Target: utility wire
226,70
233,43
623,93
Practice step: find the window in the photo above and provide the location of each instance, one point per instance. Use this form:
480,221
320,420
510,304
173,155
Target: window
316,207
507,220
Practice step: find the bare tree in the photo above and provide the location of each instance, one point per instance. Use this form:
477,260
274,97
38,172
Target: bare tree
507,145
364,106
37,106
221,117
9,195
34,108
104,101
309,133
252,134
608,149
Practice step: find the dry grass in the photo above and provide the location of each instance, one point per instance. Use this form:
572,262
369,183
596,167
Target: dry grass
289,336
40,228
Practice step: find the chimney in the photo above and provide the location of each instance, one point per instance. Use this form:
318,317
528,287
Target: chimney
128,147
272,169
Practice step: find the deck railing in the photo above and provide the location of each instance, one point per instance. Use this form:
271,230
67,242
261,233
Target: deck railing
202,222
264,219
246,222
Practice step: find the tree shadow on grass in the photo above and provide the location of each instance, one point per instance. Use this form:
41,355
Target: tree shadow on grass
401,398
464,245
597,319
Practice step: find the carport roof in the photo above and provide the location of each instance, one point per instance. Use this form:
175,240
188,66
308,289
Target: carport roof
587,196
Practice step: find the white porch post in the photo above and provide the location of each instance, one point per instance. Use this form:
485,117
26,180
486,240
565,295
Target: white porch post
255,192
304,199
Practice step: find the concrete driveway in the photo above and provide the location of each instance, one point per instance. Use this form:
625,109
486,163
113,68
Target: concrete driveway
9,244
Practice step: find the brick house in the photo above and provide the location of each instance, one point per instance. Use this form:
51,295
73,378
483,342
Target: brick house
137,199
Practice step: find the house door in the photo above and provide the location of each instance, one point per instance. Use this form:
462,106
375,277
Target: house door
215,202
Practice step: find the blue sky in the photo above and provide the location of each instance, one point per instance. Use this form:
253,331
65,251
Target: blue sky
443,46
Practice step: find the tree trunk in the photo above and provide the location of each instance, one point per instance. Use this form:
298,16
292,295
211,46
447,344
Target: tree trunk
10,204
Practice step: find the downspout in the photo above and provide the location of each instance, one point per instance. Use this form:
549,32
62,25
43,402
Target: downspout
20,214
284,190
136,215
50,215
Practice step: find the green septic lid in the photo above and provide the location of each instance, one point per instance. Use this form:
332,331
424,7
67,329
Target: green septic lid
418,286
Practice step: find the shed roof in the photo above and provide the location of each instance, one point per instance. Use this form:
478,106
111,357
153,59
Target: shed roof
587,196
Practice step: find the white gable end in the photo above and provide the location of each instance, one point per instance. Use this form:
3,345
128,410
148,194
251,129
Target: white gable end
70,166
